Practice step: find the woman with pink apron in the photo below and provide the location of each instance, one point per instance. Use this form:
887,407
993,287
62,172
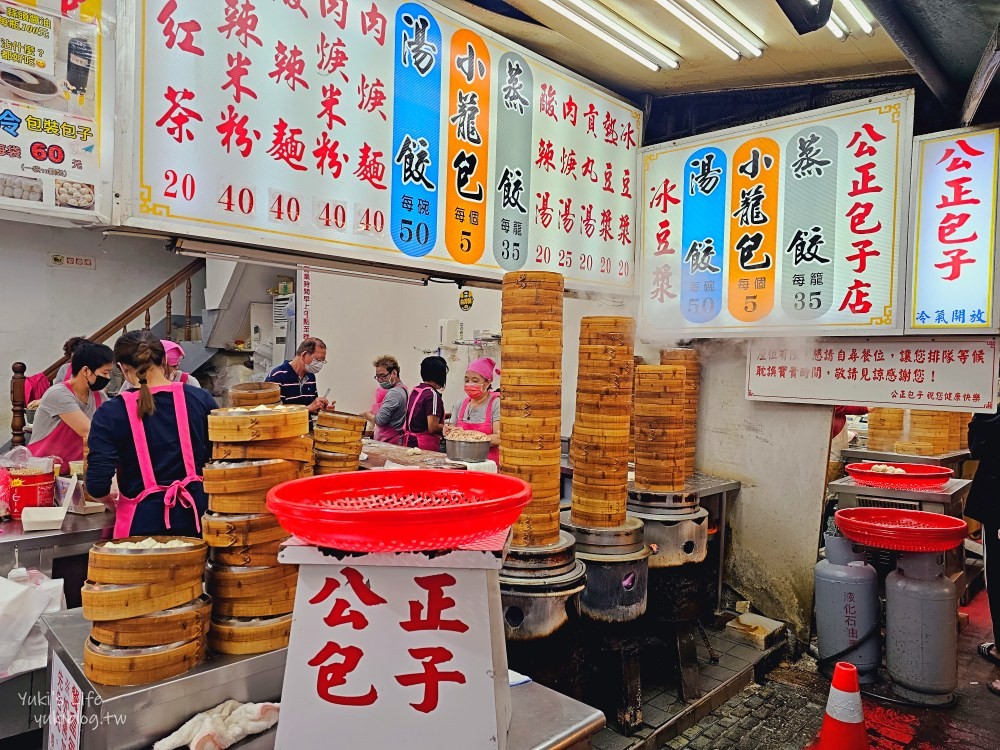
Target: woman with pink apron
63,418
174,353
480,410
175,492
155,439
425,409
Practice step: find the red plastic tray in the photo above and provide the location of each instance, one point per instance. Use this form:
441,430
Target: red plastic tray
917,476
398,511
901,530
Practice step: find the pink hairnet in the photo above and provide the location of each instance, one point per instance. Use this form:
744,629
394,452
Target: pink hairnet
174,353
484,367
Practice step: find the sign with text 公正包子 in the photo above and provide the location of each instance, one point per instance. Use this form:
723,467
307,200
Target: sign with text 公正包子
954,231
920,373
55,103
791,225
378,131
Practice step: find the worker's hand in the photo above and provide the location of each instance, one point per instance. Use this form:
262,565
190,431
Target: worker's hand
368,416
447,428
34,404
319,404
331,405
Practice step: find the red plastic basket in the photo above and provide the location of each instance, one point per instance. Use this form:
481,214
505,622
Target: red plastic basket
901,530
917,476
398,511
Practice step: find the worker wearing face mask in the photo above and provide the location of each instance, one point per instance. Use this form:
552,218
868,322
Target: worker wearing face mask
297,376
480,410
172,362
389,410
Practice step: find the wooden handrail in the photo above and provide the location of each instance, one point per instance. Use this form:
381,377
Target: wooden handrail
120,322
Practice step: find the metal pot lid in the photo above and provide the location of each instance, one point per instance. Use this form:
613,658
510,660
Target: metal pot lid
243,622
623,539
560,582
533,560
665,517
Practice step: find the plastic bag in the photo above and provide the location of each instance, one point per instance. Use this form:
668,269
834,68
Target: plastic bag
23,647
4,493
21,458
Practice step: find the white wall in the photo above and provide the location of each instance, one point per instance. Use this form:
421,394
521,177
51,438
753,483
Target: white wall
360,319
43,306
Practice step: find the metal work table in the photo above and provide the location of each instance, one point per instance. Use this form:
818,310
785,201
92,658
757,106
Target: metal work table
37,549
947,500
40,550
951,460
129,718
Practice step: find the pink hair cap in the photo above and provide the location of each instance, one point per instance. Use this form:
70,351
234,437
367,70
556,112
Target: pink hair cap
174,352
485,367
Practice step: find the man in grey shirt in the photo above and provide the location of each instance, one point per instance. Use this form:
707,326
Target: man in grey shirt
389,412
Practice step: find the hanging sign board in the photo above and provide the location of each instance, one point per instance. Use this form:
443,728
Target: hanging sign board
954,232
56,103
792,225
388,132
919,373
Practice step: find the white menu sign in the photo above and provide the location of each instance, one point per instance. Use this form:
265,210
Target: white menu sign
65,707
954,232
918,373
388,132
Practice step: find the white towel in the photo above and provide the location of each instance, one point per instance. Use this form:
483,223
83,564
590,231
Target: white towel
222,726
487,466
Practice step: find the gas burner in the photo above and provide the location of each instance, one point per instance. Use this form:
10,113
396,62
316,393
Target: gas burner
617,569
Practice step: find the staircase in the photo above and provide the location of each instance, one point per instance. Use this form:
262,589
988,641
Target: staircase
180,328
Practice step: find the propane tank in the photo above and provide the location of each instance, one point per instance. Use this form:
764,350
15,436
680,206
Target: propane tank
922,629
847,608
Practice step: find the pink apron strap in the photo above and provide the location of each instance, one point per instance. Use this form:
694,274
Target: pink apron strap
131,400
184,428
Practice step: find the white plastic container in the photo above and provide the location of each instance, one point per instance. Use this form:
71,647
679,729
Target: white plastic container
42,519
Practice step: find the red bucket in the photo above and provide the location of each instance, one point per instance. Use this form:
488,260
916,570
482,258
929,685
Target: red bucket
31,491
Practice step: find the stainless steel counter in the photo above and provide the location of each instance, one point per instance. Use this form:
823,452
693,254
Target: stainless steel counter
37,549
951,460
131,718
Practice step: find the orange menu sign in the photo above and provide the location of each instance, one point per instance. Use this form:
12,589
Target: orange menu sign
753,229
468,147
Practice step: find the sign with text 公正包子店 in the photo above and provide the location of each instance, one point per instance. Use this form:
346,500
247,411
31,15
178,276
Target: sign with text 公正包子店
792,225
378,131
56,103
954,232
947,374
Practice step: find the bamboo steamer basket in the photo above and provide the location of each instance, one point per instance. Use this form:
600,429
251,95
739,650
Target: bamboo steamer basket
913,449
323,470
515,378
532,424
541,332
178,624
339,452
254,394
535,529
326,436
258,475
102,601
528,458
249,636
586,432
336,460
687,359
289,449
221,530
341,421
238,503
230,426
266,606
535,278
105,665
173,565
227,583
527,410
523,361
256,555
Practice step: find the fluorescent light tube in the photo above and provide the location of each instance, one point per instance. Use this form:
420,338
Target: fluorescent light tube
600,34
858,16
729,25
701,29
655,49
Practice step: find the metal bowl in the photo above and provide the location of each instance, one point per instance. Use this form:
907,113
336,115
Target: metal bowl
466,450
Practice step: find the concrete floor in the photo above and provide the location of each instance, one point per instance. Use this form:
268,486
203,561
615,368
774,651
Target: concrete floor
788,708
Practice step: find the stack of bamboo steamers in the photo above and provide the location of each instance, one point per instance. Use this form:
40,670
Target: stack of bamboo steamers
338,442
917,432
256,447
147,608
531,398
600,446
661,439
688,359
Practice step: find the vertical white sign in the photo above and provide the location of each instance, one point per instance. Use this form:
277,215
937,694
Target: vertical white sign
65,707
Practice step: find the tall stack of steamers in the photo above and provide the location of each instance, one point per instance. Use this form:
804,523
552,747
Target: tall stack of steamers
541,579
610,542
255,446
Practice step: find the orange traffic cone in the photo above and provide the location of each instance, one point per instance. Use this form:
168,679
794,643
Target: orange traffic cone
844,722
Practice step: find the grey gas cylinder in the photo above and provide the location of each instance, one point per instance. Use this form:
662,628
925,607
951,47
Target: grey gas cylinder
847,608
922,629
